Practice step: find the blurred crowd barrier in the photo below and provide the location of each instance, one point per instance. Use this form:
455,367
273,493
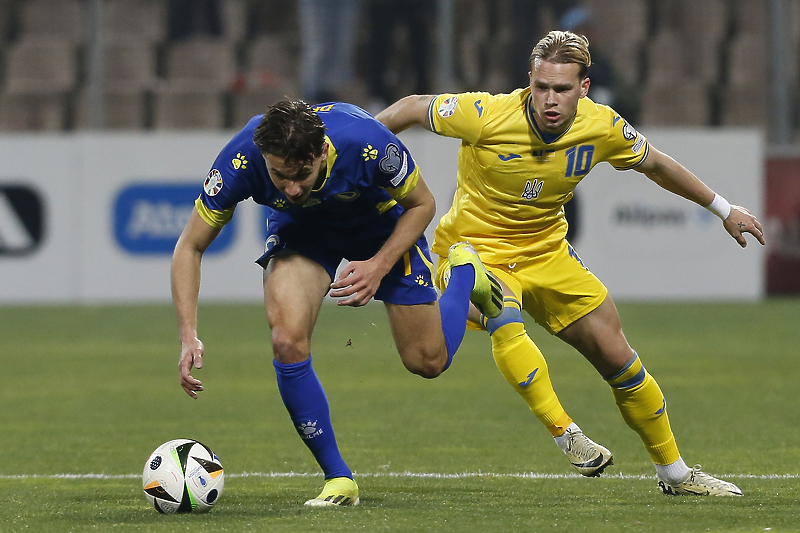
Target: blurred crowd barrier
94,218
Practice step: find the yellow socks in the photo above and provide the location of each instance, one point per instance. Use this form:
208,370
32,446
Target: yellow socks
524,367
644,409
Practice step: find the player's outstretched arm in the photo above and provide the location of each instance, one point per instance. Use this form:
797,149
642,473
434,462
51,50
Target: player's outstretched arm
185,283
674,177
406,112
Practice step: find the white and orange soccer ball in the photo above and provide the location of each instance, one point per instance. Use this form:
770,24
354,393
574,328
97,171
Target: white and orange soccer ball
183,476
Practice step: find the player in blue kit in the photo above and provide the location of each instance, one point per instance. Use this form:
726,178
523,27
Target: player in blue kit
338,185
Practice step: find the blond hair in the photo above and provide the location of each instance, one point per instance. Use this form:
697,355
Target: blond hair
564,47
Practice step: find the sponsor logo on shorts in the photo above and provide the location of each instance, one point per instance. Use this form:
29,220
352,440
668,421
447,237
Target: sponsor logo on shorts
272,241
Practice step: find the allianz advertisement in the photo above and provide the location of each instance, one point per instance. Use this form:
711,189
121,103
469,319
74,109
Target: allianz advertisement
96,220
149,218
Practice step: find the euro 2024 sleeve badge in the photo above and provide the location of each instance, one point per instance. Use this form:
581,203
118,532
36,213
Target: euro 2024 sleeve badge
213,183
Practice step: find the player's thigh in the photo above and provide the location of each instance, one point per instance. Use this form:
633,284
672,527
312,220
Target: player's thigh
559,290
599,338
294,288
417,329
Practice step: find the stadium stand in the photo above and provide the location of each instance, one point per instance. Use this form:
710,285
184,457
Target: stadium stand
129,75
621,30
53,19
40,76
708,51
745,93
200,74
270,74
134,20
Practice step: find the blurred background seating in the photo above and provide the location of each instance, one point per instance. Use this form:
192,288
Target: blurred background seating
177,64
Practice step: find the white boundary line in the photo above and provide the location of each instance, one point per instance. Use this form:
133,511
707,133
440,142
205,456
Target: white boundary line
432,475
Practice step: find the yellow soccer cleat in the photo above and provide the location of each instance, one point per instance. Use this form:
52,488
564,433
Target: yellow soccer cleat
338,491
487,294
701,484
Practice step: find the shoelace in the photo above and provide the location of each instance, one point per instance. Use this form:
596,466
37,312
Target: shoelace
707,479
587,453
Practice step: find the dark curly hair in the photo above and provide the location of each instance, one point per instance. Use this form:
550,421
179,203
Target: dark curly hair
291,130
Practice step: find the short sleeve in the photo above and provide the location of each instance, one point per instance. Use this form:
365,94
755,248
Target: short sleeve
627,148
462,116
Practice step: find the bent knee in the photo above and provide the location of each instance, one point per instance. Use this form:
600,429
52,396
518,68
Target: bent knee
427,366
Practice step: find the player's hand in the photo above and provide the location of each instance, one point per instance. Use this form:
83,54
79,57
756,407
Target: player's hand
739,222
191,356
357,283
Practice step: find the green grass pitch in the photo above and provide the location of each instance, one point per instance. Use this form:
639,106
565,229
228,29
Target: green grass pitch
88,392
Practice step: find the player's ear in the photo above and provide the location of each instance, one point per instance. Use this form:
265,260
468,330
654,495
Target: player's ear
585,86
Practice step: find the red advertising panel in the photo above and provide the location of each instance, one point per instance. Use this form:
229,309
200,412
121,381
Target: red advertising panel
783,225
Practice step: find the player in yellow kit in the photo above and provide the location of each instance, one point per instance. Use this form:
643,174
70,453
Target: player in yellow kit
522,155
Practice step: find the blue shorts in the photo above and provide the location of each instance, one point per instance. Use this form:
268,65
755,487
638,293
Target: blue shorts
409,282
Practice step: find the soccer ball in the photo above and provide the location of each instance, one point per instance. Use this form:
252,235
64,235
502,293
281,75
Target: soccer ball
183,476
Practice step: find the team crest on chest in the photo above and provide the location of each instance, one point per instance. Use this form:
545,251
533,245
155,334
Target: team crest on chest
348,196
532,189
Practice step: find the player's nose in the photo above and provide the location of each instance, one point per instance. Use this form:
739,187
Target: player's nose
293,190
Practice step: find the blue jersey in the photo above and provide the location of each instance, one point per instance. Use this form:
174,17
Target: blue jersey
368,168
349,216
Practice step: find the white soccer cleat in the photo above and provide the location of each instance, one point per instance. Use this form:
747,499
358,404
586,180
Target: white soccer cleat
585,455
337,492
701,484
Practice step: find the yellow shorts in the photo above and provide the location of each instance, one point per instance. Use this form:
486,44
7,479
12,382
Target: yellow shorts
554,288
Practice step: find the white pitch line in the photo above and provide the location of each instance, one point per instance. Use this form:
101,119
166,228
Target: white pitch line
432,475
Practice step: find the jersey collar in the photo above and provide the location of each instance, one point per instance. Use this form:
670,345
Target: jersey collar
543,136
332,154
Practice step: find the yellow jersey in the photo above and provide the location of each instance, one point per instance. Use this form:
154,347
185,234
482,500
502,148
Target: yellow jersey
513,179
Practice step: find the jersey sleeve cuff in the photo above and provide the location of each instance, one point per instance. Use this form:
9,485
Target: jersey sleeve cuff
215,219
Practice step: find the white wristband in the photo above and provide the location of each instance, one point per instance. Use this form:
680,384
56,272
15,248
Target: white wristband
719,206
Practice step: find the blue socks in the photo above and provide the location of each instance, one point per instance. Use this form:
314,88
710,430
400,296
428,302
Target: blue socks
305,399
307,404
454,308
